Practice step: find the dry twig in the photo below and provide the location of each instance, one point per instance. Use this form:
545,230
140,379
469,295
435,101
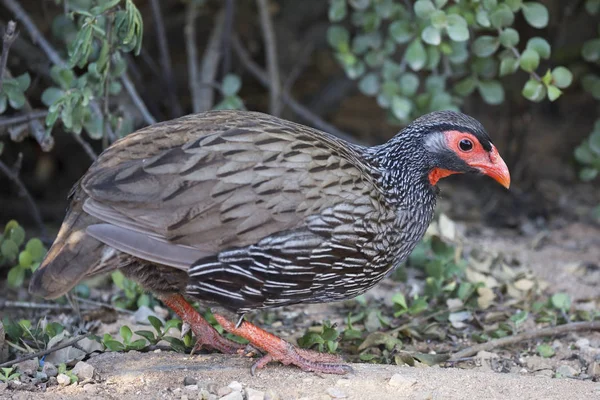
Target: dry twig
42,353
19,119
298,108
10,34
532,334
137,100
272,63
165,59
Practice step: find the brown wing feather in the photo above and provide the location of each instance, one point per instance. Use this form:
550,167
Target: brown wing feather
222,179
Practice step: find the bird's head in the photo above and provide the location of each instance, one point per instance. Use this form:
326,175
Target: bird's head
448,143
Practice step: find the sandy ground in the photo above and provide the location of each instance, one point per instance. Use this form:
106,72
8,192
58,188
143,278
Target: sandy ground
160,376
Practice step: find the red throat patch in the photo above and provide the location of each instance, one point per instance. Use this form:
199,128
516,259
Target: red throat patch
438,173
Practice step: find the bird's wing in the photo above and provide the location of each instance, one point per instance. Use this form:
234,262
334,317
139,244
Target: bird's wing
185,189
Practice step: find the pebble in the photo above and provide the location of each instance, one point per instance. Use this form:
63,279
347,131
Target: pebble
233,396
402,382
50,369
270,394
594,369
235,385
83,370
336,393
28,367
90,388
191,388
253,394
188,380
142,314
52,381
3,387
224,391
63,380
582,343
566,371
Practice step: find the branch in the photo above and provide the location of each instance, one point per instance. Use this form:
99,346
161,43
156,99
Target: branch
271,50
86,146
298,108
202,93
533,334
137,100
165,59
10,34
19,119
14,176
68,343
226,36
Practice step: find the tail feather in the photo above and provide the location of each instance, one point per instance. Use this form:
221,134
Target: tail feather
73,256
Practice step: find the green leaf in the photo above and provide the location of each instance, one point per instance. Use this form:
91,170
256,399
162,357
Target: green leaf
592,6
431,35
415,55
23,81
534,90
102,8
94,126
583,153
587,174
338,37
502,16
536,14
148,335
16,99
231,84
485,46
466,86
409,84
508,66
509,37
337,10
360,4
25,259
369,84
457,28
52,95
545,350
530,60
553,92
114,345
401,31
438,19
433,58
483,18
125,333
9,249
424,8
400,300
540,45
515,5
591,50
401,107
562,77
561,301
156,324
15,277
17,235
491,91
594,141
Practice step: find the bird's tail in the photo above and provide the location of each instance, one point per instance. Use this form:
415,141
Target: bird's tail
73,256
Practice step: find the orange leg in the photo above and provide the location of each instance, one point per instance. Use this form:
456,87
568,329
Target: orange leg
206,335
277,349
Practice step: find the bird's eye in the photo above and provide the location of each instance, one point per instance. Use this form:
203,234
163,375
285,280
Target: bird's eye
465,145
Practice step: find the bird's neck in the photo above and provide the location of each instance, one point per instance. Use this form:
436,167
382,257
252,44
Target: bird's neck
403,173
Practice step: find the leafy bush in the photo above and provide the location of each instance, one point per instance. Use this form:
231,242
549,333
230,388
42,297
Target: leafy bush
22,256
433,55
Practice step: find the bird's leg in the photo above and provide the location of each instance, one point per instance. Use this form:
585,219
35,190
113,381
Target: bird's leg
206,335
277,349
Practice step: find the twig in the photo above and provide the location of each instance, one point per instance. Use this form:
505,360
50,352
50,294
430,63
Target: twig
298,108
137,100
106,108
299,66
203,94
103,305
35,306
227,36
42,353
14,176
86,146
271,52
19,119
10,34
165,59
533,334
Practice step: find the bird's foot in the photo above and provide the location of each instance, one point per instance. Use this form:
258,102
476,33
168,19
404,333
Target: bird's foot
277,349
207,337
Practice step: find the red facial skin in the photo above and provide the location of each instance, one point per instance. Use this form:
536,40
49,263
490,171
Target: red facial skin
488,162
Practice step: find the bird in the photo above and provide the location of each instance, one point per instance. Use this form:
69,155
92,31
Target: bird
244,211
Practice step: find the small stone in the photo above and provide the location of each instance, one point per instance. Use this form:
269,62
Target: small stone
63,380
566,371
253,394
594,369
83,370
224,391
177,391
28,367
90,388
212,397
270,394
402,382
52,381
235,385
582,343
544,372
191,388
188,380
212,388
41,376
336,393
184,397
50,369
142,314
3,387
234,395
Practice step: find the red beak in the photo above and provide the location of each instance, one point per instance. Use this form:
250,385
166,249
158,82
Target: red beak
496,168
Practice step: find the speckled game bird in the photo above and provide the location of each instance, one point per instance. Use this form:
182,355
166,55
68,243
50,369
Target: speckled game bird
246,211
